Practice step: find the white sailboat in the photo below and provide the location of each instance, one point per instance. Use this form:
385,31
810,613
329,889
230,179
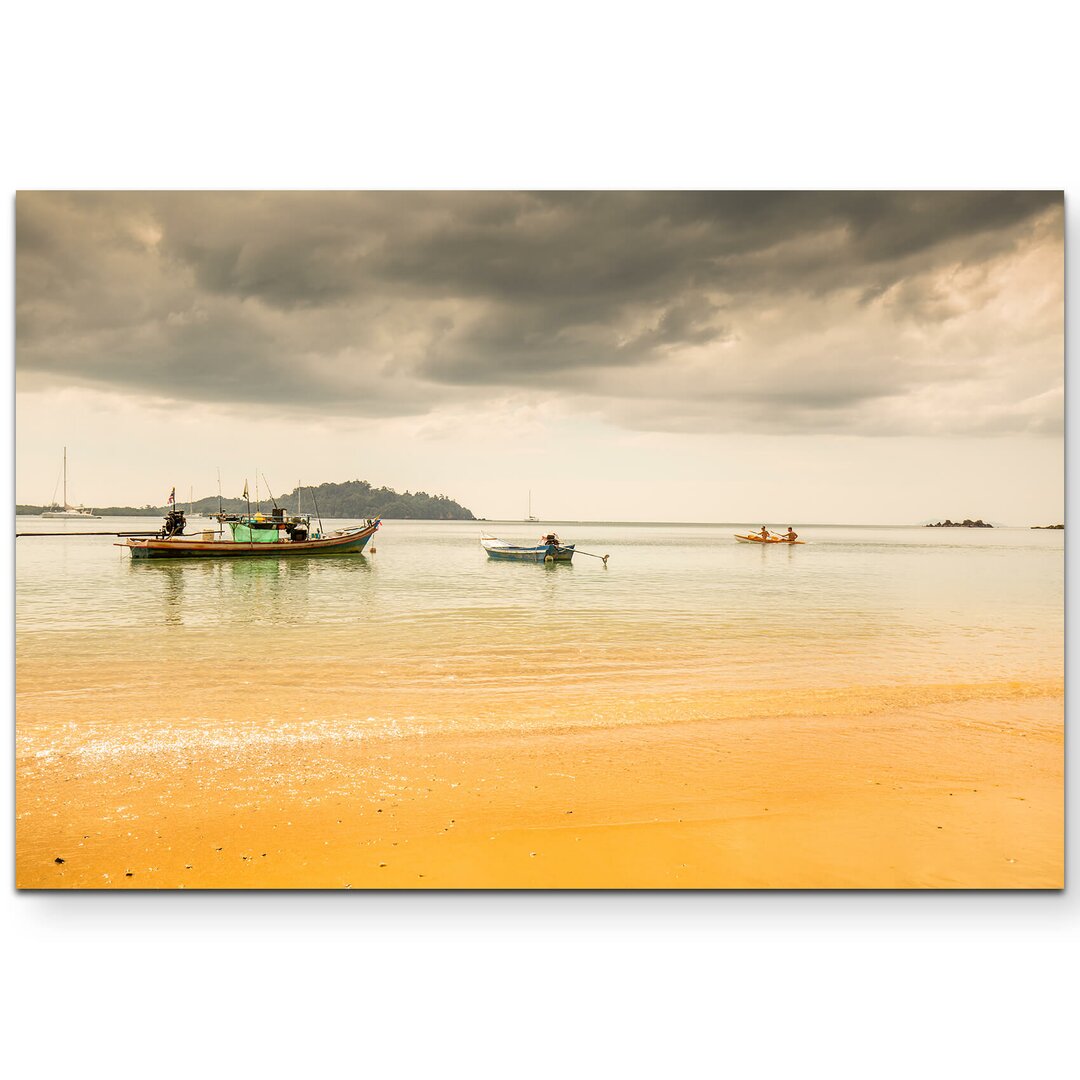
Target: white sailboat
531,516
69,511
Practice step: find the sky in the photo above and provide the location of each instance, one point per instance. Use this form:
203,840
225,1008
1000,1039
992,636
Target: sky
765,357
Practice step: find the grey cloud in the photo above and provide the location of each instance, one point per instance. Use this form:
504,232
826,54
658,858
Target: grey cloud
806,309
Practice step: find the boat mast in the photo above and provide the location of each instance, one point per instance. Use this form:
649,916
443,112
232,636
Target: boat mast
269,492
65,478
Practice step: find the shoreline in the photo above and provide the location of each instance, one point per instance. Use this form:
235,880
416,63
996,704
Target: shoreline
967,792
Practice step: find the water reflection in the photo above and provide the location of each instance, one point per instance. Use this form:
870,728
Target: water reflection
264,588
173,596
512,566
351,562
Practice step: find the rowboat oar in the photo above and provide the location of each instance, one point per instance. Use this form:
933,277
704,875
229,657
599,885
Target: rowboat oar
592,556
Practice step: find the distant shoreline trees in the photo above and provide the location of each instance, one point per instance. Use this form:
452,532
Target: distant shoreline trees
351,499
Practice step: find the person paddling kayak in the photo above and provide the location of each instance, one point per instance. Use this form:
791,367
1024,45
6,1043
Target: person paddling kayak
791,534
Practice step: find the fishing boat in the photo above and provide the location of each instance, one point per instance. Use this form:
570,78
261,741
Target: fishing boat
76,513
549,549
755,538
253,536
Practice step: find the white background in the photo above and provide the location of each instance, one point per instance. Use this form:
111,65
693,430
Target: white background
494,95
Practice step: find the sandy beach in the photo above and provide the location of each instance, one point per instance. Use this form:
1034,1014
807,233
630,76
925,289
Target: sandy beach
965,791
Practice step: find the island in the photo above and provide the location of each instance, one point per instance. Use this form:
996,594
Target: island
967,523
351,499
1048,526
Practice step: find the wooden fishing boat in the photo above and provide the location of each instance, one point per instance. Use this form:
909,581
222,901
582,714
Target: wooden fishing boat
253,536
549,549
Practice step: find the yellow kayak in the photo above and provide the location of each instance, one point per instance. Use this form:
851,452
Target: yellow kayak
753,538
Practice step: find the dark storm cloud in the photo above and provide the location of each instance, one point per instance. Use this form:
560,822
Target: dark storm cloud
701,310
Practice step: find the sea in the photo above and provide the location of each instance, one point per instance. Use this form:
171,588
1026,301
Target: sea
424,633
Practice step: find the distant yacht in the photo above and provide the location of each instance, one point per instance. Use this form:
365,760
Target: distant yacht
532,516
69,511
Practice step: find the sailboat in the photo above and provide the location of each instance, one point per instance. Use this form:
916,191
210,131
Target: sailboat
532,516
68,511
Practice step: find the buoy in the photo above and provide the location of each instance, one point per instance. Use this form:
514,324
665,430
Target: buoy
372,551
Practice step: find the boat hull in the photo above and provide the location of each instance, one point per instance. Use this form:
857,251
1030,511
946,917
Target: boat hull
351,542
532,556
542,553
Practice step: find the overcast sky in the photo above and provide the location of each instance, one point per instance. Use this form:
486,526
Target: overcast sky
723,356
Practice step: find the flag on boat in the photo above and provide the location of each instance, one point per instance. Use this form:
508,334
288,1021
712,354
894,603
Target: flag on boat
172,498
246,495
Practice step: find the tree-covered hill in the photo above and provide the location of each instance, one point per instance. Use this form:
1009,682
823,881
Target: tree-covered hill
351,499
358,499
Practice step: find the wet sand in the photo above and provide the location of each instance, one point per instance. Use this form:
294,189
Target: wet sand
963,790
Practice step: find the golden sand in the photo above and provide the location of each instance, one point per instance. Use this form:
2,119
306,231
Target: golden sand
964,788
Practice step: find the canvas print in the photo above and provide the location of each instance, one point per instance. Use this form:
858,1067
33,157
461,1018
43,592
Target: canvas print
539,540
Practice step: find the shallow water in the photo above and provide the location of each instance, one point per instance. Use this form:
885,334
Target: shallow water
427,632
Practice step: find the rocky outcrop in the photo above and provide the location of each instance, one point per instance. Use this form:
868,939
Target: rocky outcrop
967,523
1048,526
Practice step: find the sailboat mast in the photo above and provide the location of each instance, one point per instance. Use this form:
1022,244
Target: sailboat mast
65,478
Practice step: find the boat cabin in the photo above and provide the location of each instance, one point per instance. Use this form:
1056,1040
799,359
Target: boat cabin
261,528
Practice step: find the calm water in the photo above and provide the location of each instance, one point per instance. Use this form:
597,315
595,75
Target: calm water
428,631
